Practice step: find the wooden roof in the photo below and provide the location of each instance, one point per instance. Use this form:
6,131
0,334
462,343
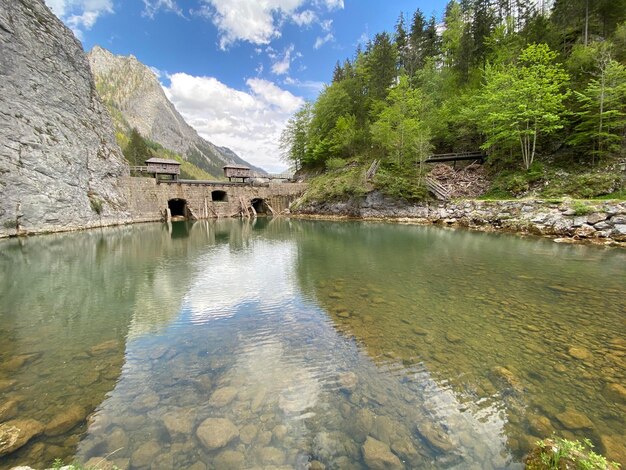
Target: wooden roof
237,167
162,161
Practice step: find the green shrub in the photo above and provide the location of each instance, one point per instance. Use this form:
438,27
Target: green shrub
557,453
400,186
335,164
580,208
96,203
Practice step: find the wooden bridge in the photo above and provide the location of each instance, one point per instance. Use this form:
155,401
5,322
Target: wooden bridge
457,156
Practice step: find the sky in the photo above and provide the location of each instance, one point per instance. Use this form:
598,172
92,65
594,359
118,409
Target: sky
237,69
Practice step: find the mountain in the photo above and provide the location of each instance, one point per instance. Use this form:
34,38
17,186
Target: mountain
135,99
59,160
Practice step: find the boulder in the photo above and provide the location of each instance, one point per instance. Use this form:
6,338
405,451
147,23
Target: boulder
215,433
348,381
14,434
378,456
271,456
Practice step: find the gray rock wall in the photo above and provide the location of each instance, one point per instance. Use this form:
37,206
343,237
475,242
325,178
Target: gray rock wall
594,220
59,162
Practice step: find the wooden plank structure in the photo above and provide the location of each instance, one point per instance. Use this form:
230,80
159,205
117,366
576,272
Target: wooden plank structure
237,171
159,166
437,189
455,157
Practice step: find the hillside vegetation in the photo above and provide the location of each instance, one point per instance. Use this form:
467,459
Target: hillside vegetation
541,90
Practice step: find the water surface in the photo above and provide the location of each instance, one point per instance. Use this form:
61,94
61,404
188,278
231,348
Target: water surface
306,341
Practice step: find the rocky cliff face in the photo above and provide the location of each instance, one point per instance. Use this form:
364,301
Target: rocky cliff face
59,161
135,98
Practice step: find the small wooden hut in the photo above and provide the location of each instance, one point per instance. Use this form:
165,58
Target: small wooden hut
237,171
163,166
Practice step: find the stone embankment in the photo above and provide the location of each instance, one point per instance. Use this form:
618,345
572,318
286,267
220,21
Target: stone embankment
567,220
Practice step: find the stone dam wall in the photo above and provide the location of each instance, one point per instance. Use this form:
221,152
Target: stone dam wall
148,199
599,221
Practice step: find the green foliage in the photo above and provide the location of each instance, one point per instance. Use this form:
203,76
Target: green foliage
136,151
602,111
518,104
580,208
95,202
399,130
335,164
557,453
399,183
10,224
583,186
492,79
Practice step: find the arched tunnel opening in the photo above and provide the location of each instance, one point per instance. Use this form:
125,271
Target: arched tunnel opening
260,206
178,207
219,196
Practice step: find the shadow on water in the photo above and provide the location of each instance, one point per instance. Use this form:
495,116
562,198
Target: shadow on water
234,344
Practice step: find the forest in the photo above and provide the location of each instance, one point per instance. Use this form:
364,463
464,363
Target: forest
539,86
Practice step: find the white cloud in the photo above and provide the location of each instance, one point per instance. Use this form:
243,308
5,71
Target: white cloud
80,15
304,18
326,25
152,7
321,40
249,122
281,64
313,87
259,22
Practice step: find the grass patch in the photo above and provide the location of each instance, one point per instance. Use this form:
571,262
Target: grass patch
337,185
580,208
400,184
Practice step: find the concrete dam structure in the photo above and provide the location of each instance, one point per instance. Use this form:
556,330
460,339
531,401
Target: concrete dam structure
150,199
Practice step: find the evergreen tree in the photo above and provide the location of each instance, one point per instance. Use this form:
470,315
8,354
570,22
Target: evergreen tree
136,152
380,66
602,115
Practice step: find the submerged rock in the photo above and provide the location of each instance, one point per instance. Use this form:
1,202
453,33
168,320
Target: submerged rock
223,396
348,381
103,348
17,362
615,392
14,434
66,420
178,421
215,433
248,433
8,410
572,420
378,456
435,436
578,352
229,460
145,454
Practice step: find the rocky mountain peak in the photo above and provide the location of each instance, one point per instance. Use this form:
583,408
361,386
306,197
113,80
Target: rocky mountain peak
136,99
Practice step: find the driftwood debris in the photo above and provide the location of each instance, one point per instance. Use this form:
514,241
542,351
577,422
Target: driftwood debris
470,181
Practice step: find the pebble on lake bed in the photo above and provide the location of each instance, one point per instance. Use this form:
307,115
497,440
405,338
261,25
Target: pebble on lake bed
378,456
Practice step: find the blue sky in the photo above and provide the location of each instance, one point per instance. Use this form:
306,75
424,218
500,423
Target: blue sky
237,69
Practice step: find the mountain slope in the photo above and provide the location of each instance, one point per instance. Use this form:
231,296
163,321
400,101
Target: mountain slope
135,98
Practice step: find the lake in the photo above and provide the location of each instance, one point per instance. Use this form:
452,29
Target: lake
301,344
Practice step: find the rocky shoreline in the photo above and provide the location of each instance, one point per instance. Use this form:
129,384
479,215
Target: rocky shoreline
599,222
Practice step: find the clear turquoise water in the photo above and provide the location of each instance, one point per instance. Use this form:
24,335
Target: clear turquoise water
453,349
